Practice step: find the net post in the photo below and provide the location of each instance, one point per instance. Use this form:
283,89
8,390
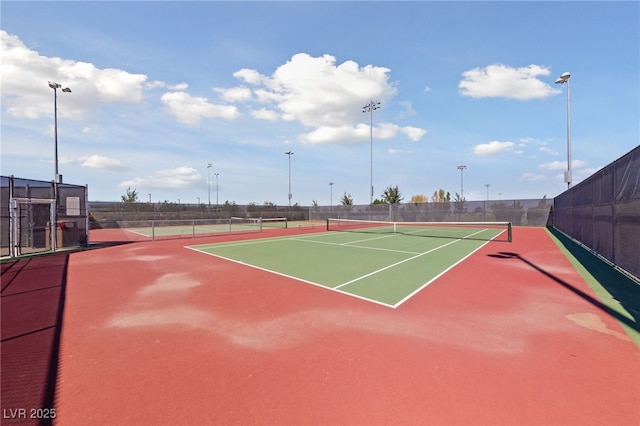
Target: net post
510,231
260,223
327,224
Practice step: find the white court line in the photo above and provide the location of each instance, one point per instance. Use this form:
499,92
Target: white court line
292,277
236,243
419,289
368,239
137,233
396,264
264,240
359,247
201,249
406,260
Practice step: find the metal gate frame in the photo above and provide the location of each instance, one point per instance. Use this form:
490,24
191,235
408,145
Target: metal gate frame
14,215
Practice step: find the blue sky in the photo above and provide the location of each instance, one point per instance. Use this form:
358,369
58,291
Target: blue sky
162,89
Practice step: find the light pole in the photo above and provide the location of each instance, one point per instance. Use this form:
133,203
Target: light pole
461,168
331,196
487,185
217,174
289,153
55,86
209,182
370,107
57,179
564,78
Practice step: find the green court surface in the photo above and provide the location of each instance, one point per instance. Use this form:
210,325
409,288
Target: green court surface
384,268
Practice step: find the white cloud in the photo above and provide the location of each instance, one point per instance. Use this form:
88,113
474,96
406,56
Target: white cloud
234,94
554,165
322,95
562,165
191,110
413,133
90,86
112,85
326,97
408,109
549,151
347,134
265,114
155,84
184,177
531,177
392,151
181,87
493,147
337,134
248,76
501,81
104,163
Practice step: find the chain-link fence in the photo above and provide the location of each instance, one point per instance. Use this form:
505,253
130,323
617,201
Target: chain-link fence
528,212
105,215
38,216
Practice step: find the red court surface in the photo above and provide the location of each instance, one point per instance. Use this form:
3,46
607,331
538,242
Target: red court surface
153,333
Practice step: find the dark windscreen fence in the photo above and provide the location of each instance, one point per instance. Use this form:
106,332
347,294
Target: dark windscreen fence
603,212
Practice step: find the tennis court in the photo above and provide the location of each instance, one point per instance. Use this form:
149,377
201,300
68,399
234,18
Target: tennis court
153,333
382,262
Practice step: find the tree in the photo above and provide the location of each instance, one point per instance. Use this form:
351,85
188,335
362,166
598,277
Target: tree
346,200
441,204
131,196
392,195
420,198
440,196
230,207
538,216
459,203
509,213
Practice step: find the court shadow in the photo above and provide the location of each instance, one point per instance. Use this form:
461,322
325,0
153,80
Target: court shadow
622,287
608,281
32,306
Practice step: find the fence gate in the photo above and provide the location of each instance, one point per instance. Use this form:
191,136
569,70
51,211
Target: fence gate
33,225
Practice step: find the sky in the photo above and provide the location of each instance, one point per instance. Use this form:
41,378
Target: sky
160,90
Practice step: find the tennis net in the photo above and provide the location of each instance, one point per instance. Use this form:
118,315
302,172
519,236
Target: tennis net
499,231
274,222
257,223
